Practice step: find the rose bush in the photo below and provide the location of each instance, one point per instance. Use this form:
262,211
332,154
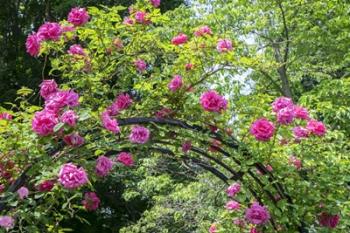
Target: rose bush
112,83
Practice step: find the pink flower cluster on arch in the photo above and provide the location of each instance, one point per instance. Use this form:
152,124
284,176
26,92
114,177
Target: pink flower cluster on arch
287,113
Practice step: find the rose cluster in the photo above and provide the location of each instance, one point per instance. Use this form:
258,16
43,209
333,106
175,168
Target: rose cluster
53,31
286,113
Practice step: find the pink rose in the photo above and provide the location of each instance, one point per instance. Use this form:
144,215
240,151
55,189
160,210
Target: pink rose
91,201
262,129
140,65
257,214
300,132
33,44
211,101
72,177
74,140
78,16
316,127
128,21
212,228
175,83
328,220
123,101
285,116
141,17
60,99
189,66
7,222
139,135
301,113
76,50
202,31
163,113
179,39
125,158
233,189
103,166
186,146
50,31
232,205
48,87
46,186
44,122
239,222
254,230
155,3
224,45
23,192
70,118
5,116
282,102
295,162
109,123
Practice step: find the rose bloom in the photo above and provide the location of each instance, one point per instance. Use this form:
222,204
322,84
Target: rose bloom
316,127
233,189
186,146
224,45
23,192
128,21
214,145
211,101
295,162
328,220
7,222
60,99
46,185
202,31
125,158
175,83
103,166
239,222
155,3
139,135
269,168
118,43
33,44
48,87
109,123
257,214
232,205
141,17
262,129
76,49
91,201
5,116
301,113
74,140
49,31
78,16
179,39
285,116
72,177
163,113
44,122
189,66
123,101
69,117
254,230
140,65
280,103
212,228
300,132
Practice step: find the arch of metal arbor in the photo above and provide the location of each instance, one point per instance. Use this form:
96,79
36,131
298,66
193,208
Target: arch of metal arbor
229,147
